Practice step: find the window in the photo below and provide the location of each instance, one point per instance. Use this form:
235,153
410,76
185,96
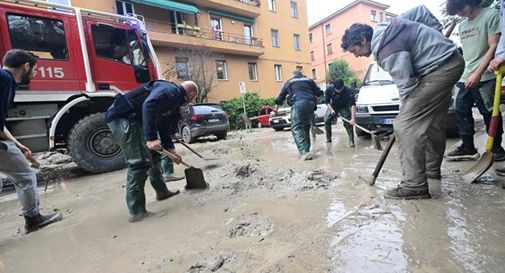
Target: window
61,2
248,34
310,38
124,8
43,37
222,71
181,65
327,29
294,9
275,37
296,42
312,56
278,72
373,15
253,71
329,49
314,76
111,43
271,5
299,68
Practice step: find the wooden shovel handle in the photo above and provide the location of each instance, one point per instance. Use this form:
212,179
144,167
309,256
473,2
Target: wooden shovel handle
173,157
384,155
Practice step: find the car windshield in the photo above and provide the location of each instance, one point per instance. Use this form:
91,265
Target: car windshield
207,108
376,75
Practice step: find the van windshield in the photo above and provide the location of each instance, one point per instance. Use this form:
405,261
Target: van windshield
376,75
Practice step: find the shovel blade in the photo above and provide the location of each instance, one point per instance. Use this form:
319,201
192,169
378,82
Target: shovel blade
485,162
195,179
376,142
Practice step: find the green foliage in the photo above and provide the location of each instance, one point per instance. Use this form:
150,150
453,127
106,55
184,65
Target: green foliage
234,108
341,69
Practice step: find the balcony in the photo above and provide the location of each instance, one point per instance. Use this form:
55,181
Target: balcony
250,8
162,33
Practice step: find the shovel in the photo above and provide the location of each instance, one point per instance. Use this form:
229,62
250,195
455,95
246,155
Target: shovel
193,151
194,176
486,160
375,140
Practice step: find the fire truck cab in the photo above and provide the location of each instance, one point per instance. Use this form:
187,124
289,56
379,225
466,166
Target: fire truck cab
85,58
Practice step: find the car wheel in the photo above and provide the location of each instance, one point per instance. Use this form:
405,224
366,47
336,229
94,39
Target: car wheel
278,128
222,135
93,147
186,134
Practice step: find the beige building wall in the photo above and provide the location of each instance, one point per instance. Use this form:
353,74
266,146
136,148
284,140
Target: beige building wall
167,44
357,12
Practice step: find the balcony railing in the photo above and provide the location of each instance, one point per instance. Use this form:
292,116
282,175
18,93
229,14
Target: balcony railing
194,31
250,2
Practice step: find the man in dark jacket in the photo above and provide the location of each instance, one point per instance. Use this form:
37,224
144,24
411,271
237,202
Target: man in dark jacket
424,65
302,93
140,122
19,67
340,101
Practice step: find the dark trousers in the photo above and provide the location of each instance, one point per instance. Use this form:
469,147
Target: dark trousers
482,96
344,112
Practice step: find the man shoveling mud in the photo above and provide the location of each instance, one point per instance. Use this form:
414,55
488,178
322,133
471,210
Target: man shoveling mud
302,93
20,67
425,65
140,123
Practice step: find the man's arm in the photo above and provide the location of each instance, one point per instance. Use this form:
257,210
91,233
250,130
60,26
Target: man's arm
399,66
474,78
282,97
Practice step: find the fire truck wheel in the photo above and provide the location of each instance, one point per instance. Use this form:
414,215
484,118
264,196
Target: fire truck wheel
93,147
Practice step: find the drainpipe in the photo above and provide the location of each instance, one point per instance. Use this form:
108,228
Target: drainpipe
324,54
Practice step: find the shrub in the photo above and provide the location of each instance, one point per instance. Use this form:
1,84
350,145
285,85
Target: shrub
234,107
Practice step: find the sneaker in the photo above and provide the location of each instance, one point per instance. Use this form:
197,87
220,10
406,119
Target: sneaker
307,156
403,194
139,217
499,155
35,222
173,177
462,153
161,197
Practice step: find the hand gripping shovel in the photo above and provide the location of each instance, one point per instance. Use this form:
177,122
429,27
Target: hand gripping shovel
376,142
194,176
486,160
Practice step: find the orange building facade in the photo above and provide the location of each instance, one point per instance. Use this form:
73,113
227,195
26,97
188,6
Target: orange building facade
259,43
325,37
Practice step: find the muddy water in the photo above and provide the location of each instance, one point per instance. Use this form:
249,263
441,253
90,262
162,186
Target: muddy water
267,211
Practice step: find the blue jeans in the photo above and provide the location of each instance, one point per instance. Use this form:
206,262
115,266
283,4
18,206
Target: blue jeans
301,119
14,165
482,95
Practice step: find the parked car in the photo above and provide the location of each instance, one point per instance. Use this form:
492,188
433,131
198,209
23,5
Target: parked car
283,117
199,120
378,103
263,117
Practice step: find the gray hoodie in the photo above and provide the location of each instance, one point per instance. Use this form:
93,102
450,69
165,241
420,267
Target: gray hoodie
409,50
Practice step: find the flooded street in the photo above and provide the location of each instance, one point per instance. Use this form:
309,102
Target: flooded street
267,211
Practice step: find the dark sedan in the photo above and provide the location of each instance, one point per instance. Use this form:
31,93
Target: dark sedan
205,119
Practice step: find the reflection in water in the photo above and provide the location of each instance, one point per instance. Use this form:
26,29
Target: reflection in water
367,239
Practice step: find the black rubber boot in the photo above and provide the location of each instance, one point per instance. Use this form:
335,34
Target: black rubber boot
400,194
35,222
168,194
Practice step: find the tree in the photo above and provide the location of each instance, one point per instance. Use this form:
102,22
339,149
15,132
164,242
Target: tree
199,66
341,69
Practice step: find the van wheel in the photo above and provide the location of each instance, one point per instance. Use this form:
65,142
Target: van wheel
93,147
222,135
186,135
278,128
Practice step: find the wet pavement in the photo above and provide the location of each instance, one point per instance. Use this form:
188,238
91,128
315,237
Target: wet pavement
267,211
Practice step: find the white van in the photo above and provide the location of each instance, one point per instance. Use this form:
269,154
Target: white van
378,103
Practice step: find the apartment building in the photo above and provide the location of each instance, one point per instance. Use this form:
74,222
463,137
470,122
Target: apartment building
325,37
258,42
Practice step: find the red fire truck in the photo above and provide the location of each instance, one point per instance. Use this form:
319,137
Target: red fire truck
85,58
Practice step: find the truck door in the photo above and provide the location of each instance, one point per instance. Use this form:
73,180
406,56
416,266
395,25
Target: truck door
45,35
117,58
